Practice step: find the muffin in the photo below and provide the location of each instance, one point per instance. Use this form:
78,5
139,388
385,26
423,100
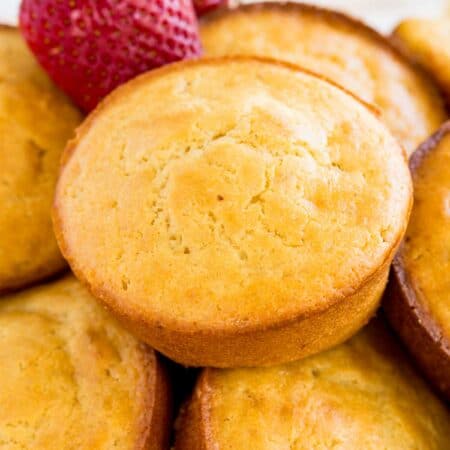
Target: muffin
362,394
72,378
418,298
36,120
234,211
338,47
428,42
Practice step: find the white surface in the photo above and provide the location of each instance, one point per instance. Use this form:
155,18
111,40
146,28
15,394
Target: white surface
386,14
8,11
382,14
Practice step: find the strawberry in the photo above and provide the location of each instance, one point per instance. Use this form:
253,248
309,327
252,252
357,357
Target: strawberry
89,47
205,6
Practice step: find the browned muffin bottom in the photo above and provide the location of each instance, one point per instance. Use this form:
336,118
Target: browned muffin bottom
72,378
36,120
418,298
338,47
362,394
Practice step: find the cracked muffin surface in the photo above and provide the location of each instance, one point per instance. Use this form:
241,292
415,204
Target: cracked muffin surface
36,120
72,377
362,394
338,47
228,194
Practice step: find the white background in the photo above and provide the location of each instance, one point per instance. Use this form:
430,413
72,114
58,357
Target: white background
383,14
8,9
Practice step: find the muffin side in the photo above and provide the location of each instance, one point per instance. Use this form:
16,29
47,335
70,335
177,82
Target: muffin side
417,300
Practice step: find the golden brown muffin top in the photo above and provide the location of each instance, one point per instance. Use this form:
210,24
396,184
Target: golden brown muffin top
359,395
426,248
36,120
428,42
71,377
338,47
230,192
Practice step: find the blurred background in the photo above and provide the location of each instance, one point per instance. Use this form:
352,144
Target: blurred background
382,14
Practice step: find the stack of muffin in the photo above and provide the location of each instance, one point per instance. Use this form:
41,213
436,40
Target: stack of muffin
239,212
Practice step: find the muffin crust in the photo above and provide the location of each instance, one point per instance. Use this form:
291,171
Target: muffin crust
206,217
36,120
72,378
339,47
418,298
427,41
361,394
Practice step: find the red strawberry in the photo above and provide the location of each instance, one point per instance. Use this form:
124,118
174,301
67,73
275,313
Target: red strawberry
89,47
204,6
